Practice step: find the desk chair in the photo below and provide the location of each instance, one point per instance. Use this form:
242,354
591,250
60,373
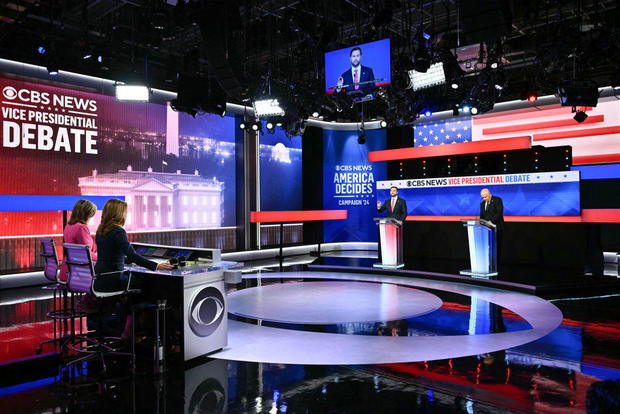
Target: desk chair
82,279
62,313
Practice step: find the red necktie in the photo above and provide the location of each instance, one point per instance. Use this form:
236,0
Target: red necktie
393,202
355,79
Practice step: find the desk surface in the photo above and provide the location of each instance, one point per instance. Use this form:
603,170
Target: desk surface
186,270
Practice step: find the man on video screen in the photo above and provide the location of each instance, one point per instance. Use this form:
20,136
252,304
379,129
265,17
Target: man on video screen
357,73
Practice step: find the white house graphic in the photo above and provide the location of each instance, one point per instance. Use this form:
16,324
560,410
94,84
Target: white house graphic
161,200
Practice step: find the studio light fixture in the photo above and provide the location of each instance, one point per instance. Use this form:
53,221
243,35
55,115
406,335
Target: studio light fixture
242,125
41,50
267,107
132,93
52,70
473,110
383,123
270,125
434,76
580,116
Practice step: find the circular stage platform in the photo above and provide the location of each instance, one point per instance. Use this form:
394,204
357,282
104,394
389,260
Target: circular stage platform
278,345
325,303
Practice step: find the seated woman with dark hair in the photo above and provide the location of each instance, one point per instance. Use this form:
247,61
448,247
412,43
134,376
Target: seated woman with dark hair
114,250
77,231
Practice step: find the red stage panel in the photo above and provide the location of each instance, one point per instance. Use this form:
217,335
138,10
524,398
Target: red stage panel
542,125
596,159
587,216
530,219
608,215
307,215
579,133
490,145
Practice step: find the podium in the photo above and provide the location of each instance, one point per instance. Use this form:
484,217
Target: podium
482,248
391,239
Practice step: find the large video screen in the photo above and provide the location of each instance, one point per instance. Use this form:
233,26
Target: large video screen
527,194
358,67
175,172
349,183
280,171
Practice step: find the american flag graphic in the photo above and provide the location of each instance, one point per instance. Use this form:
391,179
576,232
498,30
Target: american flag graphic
445,131
596,140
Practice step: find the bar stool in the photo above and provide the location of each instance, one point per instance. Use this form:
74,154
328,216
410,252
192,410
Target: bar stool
82,279
62,313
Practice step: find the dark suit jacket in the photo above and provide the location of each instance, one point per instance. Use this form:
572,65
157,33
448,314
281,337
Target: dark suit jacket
365,75
400,208
494,213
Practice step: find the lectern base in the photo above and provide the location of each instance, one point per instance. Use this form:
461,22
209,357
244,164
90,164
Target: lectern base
381,265
468,272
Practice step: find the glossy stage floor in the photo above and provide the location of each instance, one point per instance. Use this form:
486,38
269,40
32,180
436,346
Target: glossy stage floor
319,340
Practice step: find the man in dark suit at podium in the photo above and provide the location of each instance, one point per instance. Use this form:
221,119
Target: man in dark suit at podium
492,209
357,73
396,207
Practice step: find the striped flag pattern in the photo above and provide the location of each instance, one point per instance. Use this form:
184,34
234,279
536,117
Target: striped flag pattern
596,140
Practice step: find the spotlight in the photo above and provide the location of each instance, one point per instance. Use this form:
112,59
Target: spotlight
498,87
494,65
455,85
474,110
242,125
428,114
279,124
100,59
532,97
433,75
383,123
362,138
41,50
580,116
52,70
135,93
255,126
315,114
267,107
466,109
87,56
270,125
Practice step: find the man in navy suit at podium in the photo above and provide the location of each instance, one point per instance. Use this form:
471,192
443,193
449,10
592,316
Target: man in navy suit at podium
492,209
357,73
396,207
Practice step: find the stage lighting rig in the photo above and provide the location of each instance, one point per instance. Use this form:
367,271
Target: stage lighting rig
132,93
433,76
580,116
267,107
573,93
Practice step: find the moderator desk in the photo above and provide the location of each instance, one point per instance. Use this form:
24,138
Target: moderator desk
196,296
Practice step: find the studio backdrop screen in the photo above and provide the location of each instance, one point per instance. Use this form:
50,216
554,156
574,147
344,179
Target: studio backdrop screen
349,181
528,194
175,172
280,171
